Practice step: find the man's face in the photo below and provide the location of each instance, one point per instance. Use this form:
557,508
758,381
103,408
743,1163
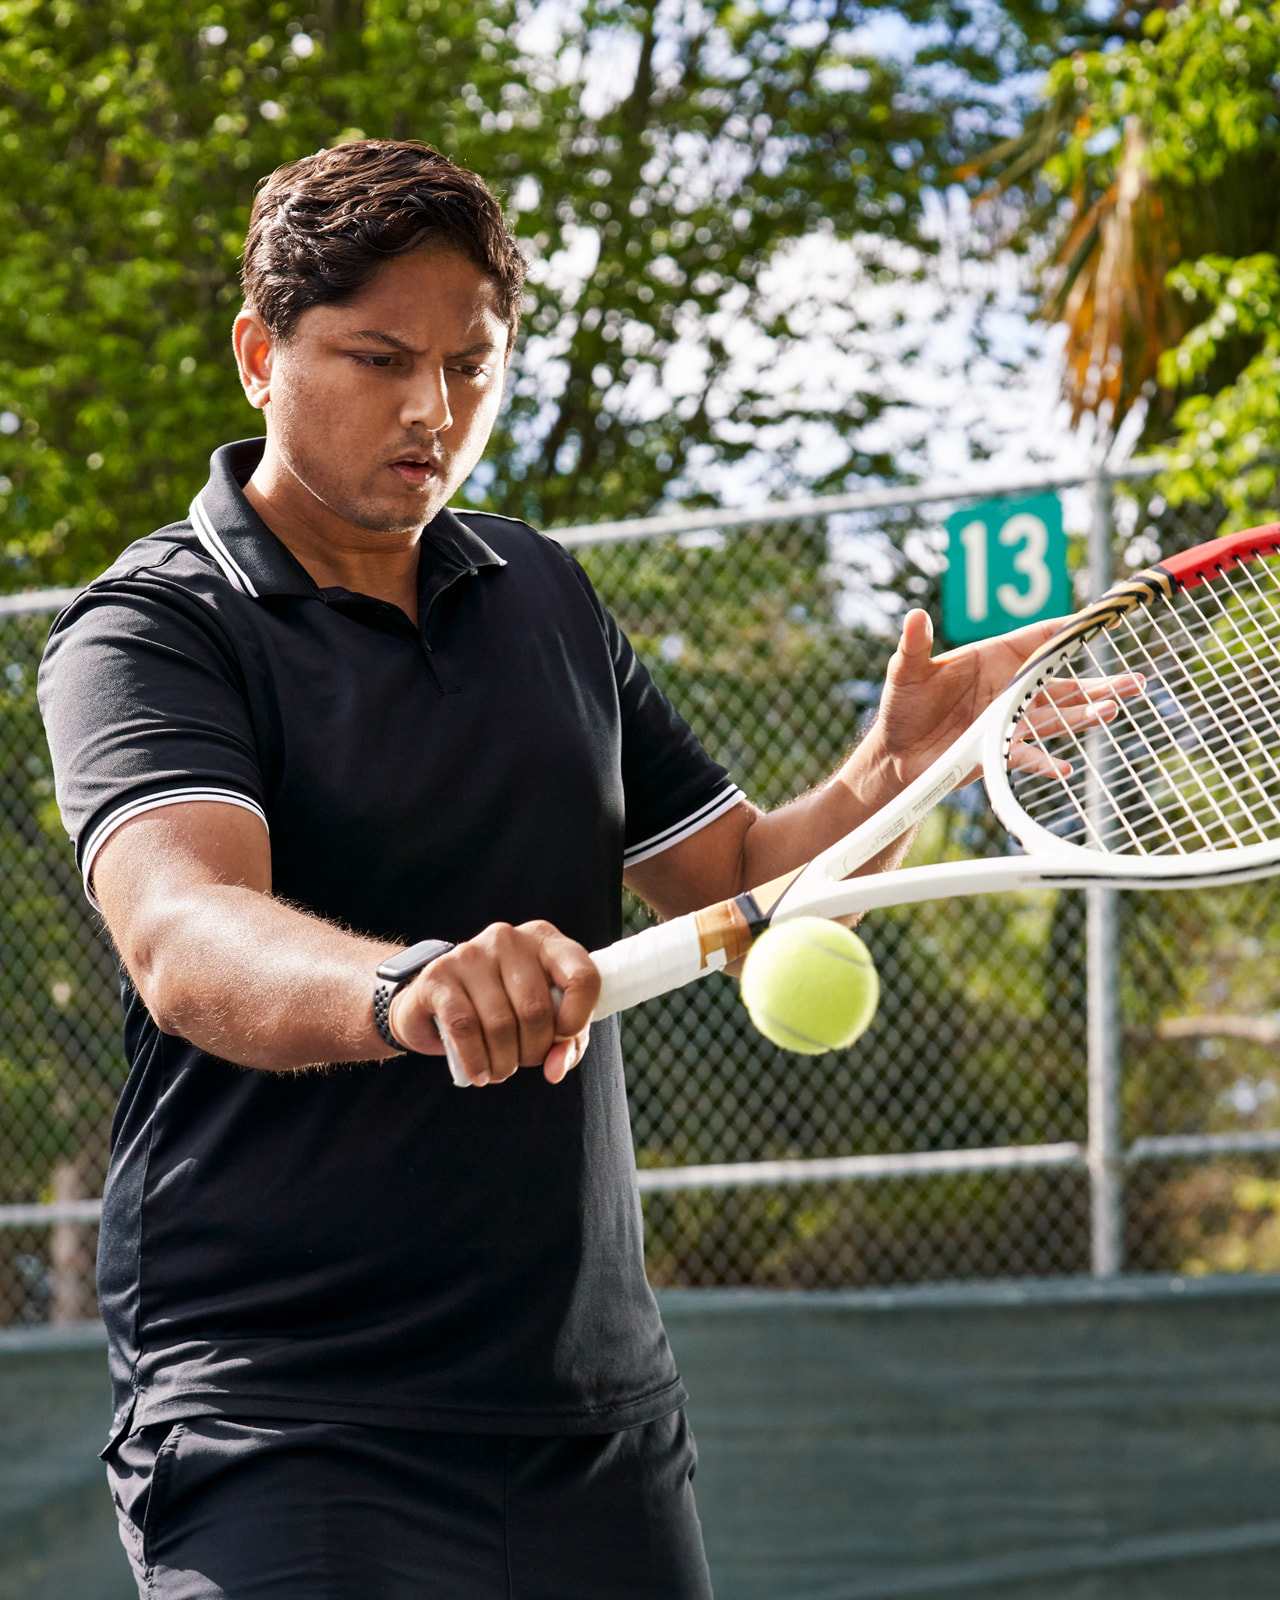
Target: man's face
380,408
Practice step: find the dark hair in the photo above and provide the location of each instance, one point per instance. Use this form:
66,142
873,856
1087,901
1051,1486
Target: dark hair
321,227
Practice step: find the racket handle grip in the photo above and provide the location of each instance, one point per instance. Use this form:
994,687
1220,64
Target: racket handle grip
634,969
648,964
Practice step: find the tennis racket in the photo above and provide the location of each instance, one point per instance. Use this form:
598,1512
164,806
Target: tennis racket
1180,788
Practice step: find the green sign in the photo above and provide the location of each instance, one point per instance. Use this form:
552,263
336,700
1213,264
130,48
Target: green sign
1006,565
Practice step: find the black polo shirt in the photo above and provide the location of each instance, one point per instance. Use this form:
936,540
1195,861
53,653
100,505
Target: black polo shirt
368,1243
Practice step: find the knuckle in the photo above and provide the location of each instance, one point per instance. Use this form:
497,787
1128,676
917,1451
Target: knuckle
442,971
535,1020
502,1030
464,1026
487,943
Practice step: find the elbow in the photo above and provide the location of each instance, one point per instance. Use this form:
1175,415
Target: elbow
161,984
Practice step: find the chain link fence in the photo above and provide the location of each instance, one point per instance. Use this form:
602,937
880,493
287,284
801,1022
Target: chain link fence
959,1138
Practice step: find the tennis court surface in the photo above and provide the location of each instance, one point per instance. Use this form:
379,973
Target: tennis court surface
1027,1441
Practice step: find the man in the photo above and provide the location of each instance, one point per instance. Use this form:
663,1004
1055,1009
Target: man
372,1336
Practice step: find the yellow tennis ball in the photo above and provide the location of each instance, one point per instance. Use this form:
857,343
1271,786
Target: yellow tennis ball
809,985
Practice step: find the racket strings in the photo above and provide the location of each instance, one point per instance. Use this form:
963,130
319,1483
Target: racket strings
1209,745
1191,763
1225,748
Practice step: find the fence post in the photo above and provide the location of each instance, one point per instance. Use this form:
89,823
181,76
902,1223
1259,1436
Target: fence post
1106,1171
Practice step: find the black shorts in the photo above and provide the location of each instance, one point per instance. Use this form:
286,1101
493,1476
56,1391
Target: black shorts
217,1508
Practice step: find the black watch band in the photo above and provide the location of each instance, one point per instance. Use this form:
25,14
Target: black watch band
392,976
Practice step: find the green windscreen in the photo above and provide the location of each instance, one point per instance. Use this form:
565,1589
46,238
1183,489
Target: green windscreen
1045,1442
1050,1441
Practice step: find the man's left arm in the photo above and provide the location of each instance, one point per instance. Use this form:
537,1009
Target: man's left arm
927,703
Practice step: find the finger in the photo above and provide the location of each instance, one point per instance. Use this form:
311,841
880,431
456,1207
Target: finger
532,1002
1063,691
570,968
565,1055
440,1020
1025,641
1025,757
1044,721
502,973
413,1023
463,1036
496,1015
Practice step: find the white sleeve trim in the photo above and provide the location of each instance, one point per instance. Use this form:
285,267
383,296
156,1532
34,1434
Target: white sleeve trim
153,802
658,842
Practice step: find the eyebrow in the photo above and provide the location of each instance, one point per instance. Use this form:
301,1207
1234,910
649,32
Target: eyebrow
390,342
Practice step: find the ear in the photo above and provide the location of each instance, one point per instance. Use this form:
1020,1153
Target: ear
255,353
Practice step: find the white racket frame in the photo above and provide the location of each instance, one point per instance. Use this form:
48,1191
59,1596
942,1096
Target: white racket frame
673,954
656,960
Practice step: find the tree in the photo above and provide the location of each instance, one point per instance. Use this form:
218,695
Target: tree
1154,161
661,201
132,137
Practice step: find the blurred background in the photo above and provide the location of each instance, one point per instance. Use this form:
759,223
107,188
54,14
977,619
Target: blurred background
809,283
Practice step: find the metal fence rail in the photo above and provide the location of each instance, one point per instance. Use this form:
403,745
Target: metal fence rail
1056,1083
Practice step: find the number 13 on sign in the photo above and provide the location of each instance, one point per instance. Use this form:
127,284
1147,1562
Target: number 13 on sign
1007,564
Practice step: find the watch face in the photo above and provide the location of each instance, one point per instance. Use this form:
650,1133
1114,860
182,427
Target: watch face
397,968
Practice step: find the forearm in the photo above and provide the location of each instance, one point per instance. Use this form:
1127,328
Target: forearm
254,980
779,841
186,893
747,848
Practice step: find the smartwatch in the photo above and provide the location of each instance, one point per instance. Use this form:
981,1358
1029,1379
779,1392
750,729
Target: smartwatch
392,976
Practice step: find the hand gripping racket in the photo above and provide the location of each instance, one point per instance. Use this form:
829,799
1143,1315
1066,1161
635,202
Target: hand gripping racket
1180,788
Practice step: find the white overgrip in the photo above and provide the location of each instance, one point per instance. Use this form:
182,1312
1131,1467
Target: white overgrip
647,964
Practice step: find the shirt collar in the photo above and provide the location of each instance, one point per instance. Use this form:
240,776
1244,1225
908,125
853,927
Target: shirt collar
254,561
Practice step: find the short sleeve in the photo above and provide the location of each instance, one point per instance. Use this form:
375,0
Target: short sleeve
144,704
672,786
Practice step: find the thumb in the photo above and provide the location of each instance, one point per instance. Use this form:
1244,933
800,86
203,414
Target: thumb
915,645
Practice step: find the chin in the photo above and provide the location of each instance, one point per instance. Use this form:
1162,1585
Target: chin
391,524
388,519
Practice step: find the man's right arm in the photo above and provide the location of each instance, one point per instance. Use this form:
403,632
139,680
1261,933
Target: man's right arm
215,958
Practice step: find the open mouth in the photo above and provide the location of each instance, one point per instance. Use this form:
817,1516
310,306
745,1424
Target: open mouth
415,470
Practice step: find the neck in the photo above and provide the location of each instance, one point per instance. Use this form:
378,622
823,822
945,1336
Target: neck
336,554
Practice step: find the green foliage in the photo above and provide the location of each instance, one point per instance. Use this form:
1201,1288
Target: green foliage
1166,145
131,137
1227,434
1200,82
662,163
738,137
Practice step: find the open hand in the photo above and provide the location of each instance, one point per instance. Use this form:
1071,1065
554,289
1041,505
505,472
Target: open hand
929,701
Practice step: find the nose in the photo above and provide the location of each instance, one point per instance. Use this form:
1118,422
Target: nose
427,403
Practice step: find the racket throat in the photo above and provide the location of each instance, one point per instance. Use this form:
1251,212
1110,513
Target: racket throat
728,930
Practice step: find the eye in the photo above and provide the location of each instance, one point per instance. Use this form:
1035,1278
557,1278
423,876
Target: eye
379,363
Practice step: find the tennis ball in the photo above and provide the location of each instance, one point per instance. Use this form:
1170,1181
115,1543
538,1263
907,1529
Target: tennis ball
809,985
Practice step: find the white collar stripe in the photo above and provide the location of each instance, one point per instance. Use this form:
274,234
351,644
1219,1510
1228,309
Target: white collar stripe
212,540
